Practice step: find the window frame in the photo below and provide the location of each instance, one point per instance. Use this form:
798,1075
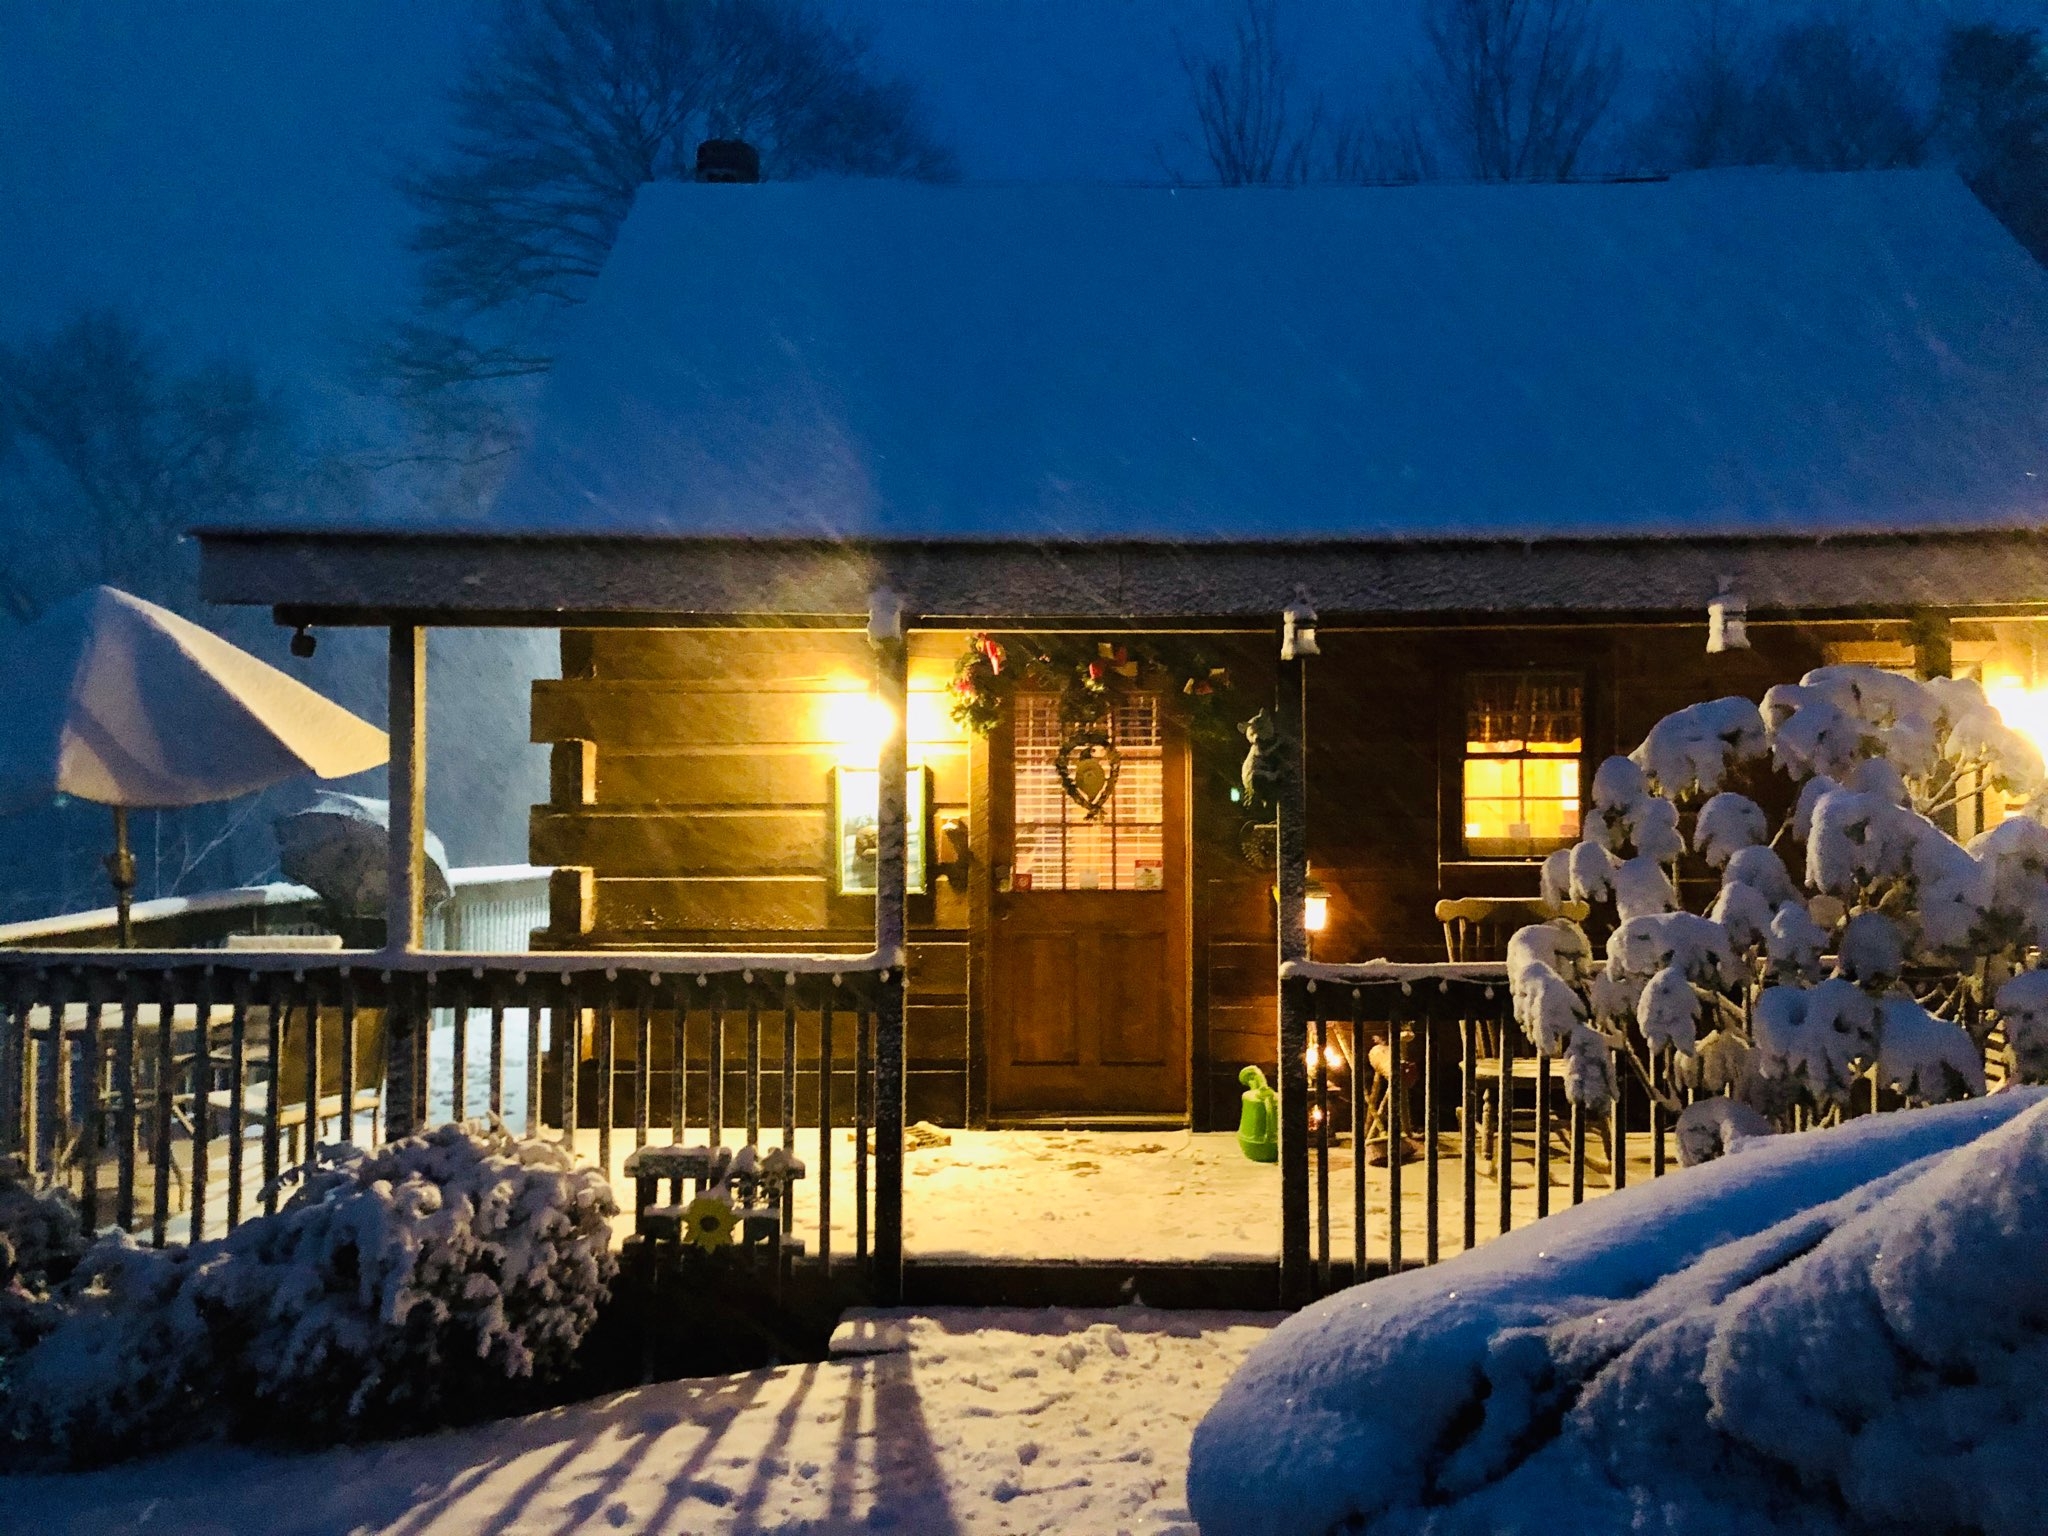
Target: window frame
1458,740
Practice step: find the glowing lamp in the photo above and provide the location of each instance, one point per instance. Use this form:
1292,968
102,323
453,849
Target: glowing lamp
860,725
2022,708
1316,911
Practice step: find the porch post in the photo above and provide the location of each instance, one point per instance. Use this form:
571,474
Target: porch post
1291,890
405,870
1934,656
892,691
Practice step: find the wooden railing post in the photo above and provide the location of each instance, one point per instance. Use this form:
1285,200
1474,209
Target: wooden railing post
892,691
405,873
1291,892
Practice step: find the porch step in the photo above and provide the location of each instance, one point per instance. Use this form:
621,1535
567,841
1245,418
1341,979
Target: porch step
1230,1286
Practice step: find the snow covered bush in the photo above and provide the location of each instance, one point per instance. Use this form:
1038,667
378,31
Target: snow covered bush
41,1242
1816,814
395,1289
1842,1334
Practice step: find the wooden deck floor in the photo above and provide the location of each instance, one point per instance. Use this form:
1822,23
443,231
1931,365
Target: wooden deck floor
1077,1196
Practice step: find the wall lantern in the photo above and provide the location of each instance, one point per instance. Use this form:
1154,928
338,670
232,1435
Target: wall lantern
1298,628
1315,905
1316,908
1727,619
859,726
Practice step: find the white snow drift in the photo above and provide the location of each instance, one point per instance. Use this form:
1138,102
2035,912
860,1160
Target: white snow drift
1837,1333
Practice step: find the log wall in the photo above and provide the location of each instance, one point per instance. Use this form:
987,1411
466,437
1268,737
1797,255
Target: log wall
692,770
691,777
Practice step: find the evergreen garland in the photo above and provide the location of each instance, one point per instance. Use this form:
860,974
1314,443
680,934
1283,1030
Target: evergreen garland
1088,674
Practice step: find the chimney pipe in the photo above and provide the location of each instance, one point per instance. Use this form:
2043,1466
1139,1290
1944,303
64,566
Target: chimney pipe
730,160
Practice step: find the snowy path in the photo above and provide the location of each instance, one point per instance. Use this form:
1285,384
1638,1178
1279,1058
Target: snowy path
998,1422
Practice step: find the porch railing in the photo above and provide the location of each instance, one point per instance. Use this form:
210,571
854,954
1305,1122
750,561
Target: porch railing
173,1089
1442,1153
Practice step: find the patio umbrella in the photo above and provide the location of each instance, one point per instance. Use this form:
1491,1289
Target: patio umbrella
115,700
338,845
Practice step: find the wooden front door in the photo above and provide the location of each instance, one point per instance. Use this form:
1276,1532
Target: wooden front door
1088,1005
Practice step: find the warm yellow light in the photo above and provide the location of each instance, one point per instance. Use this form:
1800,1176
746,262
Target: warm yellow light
1332,1058
2022,708
1316,912
859,724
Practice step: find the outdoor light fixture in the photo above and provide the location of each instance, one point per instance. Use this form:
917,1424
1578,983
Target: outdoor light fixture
2022,708
1298,628
1315,915
859,724
1727,619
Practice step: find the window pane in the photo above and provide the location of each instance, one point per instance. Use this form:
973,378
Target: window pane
1056,846
1550,778
1495,778
1524,734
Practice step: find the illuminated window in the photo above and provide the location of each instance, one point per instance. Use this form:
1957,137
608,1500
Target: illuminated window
1523,737
1057,847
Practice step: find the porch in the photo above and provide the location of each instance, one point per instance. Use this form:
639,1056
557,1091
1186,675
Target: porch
102,1101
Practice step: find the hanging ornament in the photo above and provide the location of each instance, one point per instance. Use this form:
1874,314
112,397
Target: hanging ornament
1088,766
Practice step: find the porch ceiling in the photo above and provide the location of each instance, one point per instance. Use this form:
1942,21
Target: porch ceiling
339,577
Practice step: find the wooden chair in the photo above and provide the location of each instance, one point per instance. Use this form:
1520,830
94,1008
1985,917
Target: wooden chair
1477,930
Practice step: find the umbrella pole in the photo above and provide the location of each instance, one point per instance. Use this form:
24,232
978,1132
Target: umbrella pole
121,870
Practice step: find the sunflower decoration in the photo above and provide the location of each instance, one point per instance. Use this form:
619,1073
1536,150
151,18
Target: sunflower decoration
708,1221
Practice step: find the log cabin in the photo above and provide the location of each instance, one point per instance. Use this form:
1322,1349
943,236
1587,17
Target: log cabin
1458,482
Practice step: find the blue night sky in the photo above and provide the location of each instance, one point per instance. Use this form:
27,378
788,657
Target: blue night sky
225,166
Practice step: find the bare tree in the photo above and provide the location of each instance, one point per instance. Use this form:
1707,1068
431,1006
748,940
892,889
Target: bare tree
1380,149
108,454
1521,84
572,107
110,450
1243,104
1704,111
1993,121
1835,98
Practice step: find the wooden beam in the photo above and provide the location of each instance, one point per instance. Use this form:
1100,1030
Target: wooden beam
405,909
405,890
892,691
333,576
1291,881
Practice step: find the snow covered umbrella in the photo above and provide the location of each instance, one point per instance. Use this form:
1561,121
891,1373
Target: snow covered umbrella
111,699
338,845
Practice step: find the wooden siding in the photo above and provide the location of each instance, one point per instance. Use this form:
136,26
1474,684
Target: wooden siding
693,781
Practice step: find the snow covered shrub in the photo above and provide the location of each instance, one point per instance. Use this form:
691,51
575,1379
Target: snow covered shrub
41,1242
1843,909
124,1364
395,1289
400,1285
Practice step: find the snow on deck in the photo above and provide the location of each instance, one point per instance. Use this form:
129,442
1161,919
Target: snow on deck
1171,1196
990,1422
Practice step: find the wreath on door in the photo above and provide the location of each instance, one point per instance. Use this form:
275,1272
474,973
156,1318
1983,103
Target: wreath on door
1088,675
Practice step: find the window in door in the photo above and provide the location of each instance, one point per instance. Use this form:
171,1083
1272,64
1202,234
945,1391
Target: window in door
1524,734
1057,847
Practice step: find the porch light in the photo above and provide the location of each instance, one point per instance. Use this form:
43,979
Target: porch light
1727,619
2022,708
859,724
1315,915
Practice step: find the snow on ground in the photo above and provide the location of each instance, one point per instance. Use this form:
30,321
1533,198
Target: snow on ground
989,1422
1842,1332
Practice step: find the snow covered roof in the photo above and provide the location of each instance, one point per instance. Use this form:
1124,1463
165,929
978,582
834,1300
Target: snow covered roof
1730,353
